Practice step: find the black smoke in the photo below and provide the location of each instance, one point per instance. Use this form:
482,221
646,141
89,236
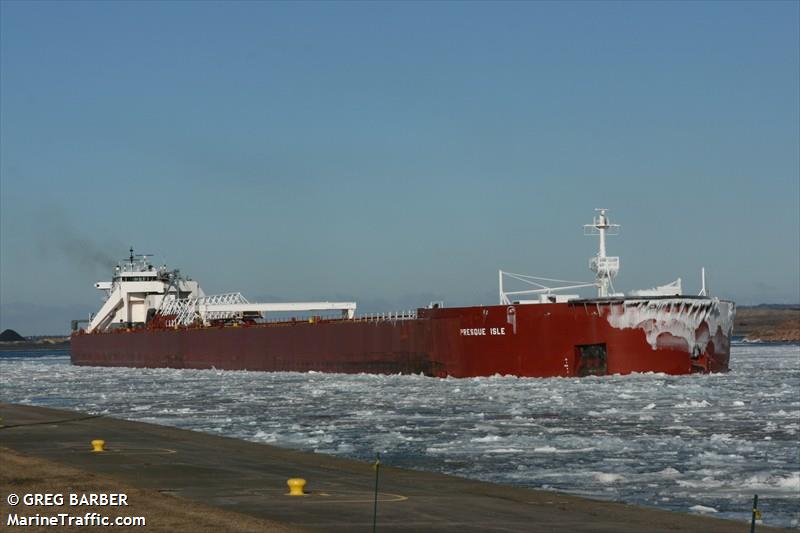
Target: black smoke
60,239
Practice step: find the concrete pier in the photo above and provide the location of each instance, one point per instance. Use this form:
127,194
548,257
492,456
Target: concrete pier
250,479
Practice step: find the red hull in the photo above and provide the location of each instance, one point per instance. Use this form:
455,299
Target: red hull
590,337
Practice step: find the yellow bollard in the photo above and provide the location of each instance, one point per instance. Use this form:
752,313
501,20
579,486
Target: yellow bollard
296,485
98,445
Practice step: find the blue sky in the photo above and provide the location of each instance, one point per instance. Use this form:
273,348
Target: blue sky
395,153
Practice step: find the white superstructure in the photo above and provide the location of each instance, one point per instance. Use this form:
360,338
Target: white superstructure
138,292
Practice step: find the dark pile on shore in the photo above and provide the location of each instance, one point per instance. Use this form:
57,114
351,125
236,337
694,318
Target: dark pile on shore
10,335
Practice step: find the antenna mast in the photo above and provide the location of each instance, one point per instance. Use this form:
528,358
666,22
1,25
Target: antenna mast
605,267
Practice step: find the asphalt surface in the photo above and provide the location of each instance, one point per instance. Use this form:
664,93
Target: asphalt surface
250,478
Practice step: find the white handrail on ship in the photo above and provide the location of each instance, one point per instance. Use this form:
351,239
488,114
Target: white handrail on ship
187,311
388,315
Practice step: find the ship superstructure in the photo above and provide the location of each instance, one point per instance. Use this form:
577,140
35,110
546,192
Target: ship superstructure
141,295
154,317
136,291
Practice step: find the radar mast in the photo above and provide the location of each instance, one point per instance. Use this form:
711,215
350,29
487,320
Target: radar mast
605,267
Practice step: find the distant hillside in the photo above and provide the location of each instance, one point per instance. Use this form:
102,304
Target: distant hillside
10,335
768,323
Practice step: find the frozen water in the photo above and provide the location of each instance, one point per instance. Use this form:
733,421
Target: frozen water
700,443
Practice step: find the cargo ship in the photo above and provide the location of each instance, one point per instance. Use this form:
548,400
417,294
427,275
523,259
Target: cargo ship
156,317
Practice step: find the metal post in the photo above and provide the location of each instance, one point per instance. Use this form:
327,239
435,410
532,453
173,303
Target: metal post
756,514
377,466
500,285
703,276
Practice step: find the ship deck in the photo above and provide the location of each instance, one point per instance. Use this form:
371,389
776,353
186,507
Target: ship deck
250,479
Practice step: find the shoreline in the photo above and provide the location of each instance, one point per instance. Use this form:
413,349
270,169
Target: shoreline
33,346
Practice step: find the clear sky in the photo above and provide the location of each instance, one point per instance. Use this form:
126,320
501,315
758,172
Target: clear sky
395,153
